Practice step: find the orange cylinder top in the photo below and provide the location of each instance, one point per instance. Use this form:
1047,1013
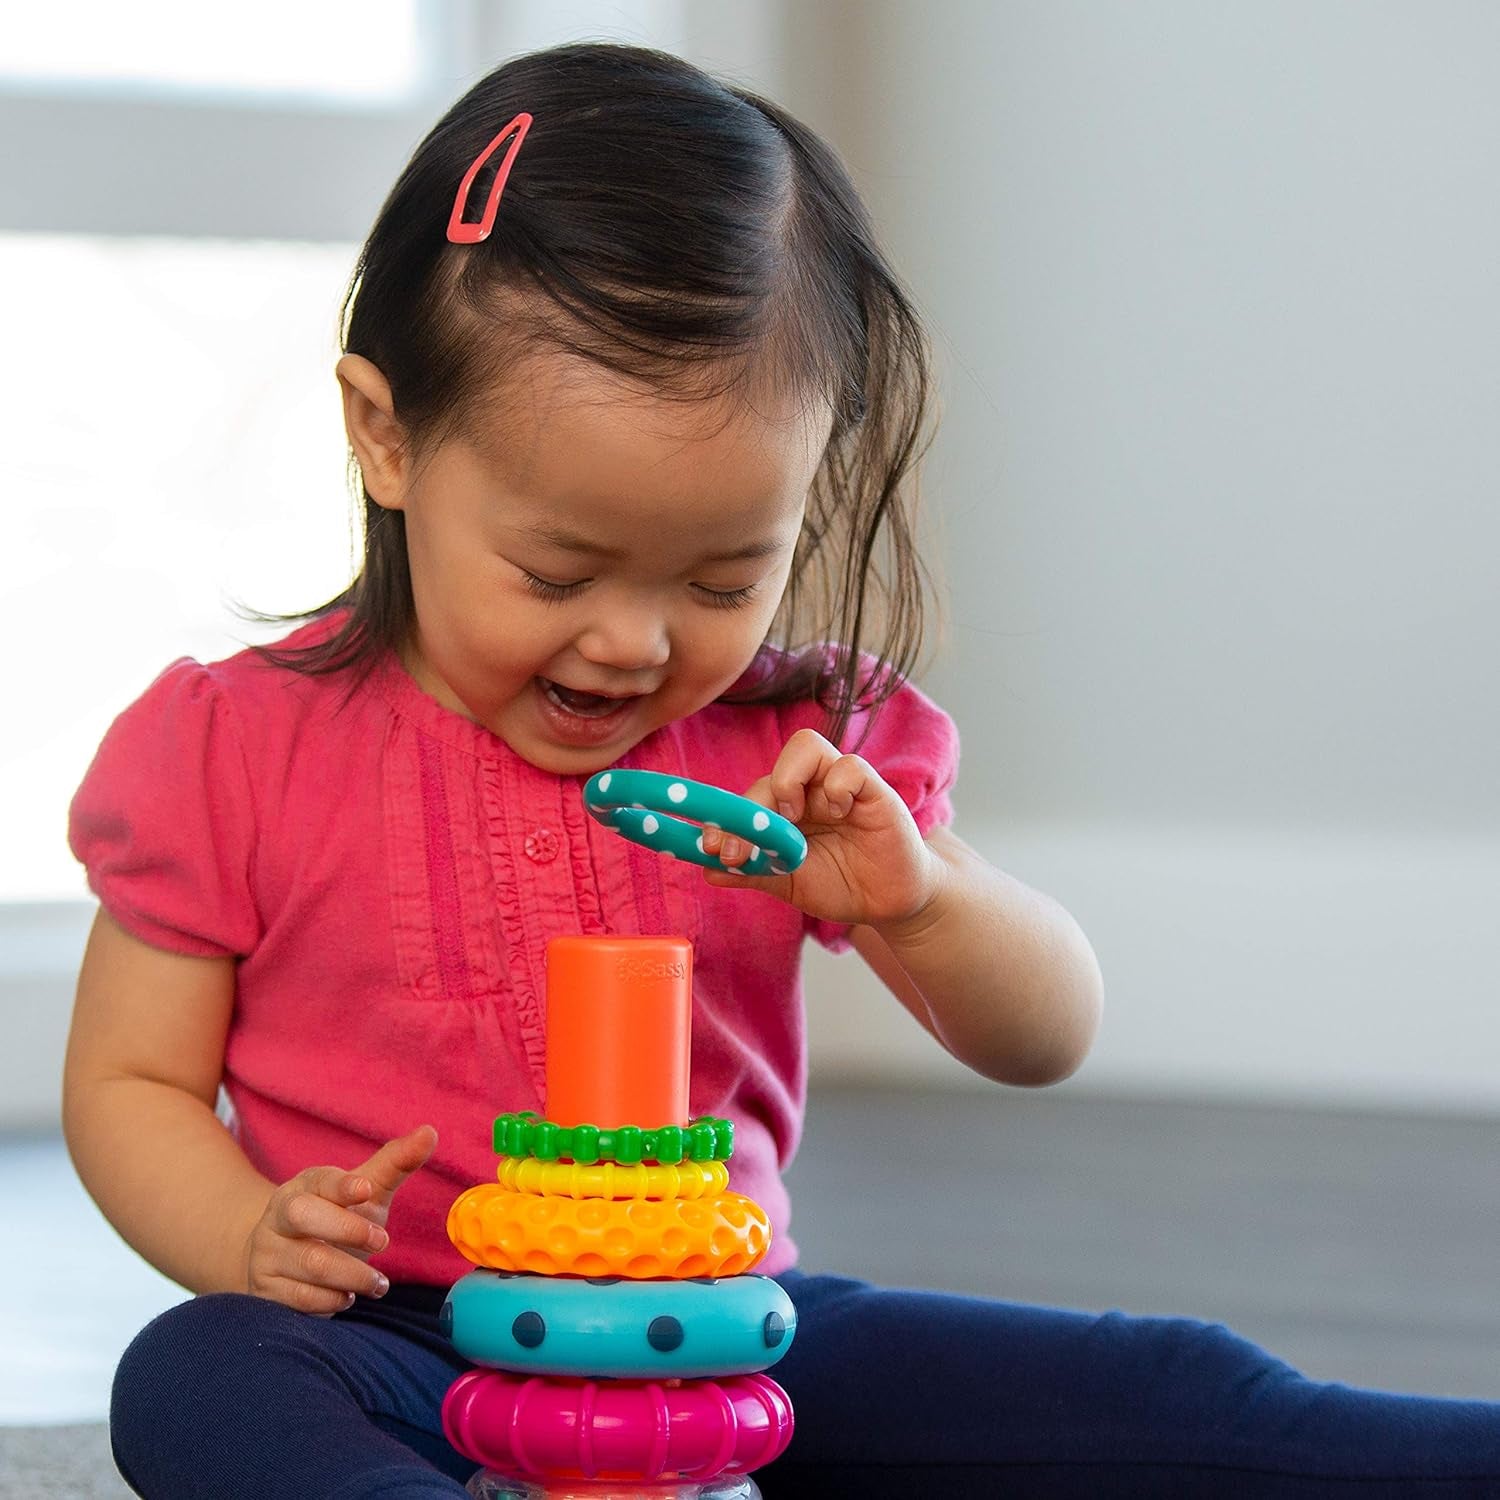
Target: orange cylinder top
619,1030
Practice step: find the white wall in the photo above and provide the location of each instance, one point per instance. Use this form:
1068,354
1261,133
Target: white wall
1214,297
1215,294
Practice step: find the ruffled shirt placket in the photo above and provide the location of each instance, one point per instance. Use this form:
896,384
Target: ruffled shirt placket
556,872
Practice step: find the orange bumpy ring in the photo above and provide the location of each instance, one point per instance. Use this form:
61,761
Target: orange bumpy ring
612,1179
637,1237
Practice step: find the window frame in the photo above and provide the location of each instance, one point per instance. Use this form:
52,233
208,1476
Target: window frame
114,158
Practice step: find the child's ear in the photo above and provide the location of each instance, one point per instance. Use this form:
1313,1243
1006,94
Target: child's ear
378,439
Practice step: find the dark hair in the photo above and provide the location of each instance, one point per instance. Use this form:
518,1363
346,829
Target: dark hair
679,230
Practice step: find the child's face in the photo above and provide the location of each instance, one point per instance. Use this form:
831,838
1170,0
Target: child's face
594,543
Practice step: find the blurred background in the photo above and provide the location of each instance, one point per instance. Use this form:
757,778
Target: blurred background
1213,293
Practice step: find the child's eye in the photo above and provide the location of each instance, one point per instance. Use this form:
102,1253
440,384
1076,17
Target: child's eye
546,589
726,598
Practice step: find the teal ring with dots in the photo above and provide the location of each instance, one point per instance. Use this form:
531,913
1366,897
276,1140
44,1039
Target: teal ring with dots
642,806
609,1326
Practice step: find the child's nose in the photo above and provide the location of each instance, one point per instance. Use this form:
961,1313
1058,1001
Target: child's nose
629,640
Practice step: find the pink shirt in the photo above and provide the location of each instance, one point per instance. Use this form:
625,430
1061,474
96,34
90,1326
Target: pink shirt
387,874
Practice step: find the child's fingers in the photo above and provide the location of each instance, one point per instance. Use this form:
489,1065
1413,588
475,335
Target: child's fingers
802,763
817,783
847,780
731,850
319,1264
308,1272
395,1161
334,1184
303,1296
311,1215
315,1277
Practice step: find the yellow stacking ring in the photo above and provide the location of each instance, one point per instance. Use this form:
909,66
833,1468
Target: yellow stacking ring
638,1237
612,1179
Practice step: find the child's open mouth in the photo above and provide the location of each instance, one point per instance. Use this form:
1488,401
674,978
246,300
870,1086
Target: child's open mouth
584,705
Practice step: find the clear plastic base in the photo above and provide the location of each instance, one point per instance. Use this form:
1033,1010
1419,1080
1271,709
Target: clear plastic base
488,1485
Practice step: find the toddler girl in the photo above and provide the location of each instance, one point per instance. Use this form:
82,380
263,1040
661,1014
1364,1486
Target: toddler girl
636,403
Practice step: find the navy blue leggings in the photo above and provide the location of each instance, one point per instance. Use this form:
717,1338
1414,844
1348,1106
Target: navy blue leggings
897,1393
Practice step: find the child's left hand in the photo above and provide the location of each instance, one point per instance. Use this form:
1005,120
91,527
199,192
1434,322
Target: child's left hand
866,864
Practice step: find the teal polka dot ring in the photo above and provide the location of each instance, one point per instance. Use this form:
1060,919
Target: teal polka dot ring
669,814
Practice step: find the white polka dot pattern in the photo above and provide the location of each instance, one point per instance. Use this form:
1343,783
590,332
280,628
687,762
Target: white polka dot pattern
635,804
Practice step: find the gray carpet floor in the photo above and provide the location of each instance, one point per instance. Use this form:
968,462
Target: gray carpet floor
58,1463
1360,1247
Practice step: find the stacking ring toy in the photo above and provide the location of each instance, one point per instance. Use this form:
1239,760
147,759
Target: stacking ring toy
617,1430
523,1134
609,1179
639,1237
642,807
642,1330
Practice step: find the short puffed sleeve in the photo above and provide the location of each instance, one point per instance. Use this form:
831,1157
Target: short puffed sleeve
913,744
163,821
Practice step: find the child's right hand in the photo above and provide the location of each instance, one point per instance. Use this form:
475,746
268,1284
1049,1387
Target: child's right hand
310,1245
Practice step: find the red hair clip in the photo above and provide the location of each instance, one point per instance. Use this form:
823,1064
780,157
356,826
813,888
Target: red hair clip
462,233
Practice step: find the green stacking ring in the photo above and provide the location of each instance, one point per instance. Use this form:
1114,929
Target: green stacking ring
640,806
707,1138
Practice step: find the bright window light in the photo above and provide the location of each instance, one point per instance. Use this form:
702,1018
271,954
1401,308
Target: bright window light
349,50
174,443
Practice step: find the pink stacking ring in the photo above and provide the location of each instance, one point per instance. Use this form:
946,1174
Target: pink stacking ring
632,1430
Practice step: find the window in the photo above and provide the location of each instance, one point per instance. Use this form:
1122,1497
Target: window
277,48
174,439
174,242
